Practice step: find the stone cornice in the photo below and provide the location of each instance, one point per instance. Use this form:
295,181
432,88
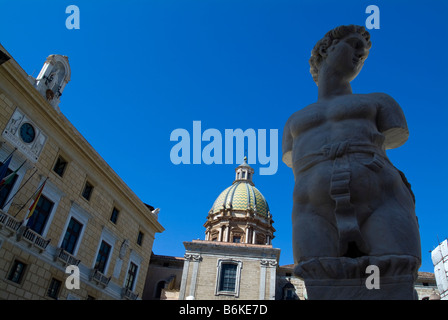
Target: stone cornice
203,247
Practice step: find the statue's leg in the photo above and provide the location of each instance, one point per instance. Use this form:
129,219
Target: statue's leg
313,235
392,236
392,229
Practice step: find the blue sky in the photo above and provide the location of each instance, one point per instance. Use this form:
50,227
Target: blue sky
143,68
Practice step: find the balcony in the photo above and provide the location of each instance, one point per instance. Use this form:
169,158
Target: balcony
99,278
32,238
22,232
128,294
9,223
65,258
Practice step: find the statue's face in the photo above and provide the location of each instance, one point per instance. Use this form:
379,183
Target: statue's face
347,55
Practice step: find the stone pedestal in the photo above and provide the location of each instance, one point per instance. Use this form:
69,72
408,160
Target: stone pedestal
390,278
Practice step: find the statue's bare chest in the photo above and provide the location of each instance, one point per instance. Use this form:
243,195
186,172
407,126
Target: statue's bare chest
339,110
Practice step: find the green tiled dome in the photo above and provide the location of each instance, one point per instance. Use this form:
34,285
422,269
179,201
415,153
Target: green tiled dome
242,195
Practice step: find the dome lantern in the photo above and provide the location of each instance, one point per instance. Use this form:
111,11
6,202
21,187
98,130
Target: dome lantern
244,172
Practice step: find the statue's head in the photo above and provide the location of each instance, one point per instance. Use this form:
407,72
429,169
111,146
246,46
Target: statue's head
331,39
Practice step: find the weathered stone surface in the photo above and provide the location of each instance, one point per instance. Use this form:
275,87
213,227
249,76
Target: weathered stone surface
350,201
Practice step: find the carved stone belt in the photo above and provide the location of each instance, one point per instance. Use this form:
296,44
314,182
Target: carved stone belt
337,150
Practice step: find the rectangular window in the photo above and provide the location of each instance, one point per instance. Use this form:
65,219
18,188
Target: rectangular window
102,257
40,216
114,215
60,166
140,238
237,239
132,274
88,189
227,280
71,235
17,271
53,290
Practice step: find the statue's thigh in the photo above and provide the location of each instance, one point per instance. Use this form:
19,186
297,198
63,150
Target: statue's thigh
392,229
313,235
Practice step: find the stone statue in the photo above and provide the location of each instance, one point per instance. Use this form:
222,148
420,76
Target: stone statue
124,247
351,207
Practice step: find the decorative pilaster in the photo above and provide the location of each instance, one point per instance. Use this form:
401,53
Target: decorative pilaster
265,264
190,258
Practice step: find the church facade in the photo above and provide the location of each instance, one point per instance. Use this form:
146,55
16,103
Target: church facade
236,260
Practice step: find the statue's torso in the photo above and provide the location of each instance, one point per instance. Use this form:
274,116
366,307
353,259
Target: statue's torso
350,119
345,118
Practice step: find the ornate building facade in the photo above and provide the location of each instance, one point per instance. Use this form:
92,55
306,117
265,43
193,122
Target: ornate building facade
84,215
236,260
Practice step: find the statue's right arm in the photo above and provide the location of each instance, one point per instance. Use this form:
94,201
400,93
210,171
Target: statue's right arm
287,144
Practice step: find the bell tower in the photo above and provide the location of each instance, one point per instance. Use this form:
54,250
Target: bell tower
53,78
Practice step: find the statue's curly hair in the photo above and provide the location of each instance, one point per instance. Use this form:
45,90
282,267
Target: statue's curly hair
334,34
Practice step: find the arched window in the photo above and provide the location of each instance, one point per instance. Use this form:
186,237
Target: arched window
160,286
261,239
289,292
